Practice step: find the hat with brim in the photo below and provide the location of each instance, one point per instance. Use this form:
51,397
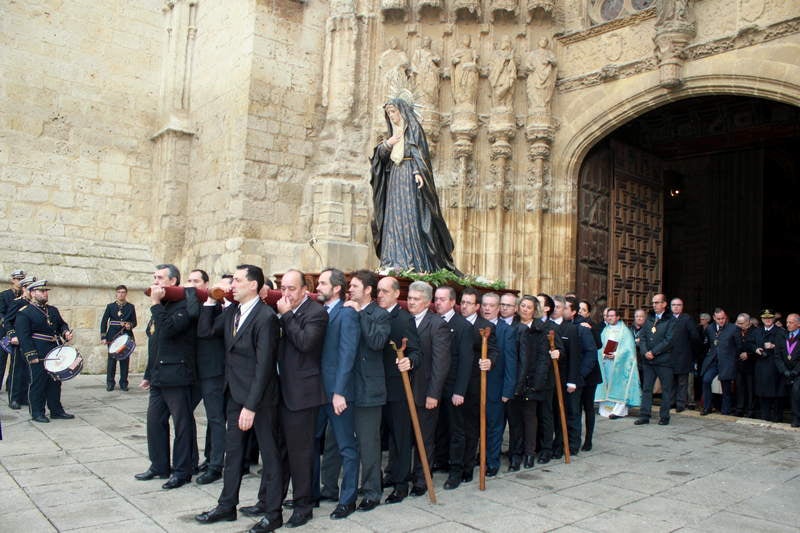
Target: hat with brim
18,274
27,281
40,285
767,313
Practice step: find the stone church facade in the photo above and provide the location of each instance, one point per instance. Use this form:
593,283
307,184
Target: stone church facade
210,133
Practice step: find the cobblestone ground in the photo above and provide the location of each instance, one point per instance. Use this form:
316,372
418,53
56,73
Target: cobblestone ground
697,474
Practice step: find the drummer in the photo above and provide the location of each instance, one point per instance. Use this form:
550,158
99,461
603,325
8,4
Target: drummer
119,319
39,329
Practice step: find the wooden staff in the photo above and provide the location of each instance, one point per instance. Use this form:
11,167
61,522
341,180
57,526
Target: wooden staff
485,332
412,409
551,336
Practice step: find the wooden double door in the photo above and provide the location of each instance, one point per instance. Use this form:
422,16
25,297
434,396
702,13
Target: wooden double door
620,227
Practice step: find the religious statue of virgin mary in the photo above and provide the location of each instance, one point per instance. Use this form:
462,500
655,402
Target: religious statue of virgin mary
407,229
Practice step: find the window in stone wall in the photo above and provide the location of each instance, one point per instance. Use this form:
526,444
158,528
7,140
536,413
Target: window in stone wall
601,11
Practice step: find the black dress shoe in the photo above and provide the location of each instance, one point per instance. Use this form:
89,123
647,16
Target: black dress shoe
641,421
62,416
557,455
289,503
253,510
491,472
663,421
264,525
417,491
174,482
452,482
395,497
14,405
544,458
123,388
613,417
343,511
514,463
149,474
466,477
209,476
705,412
529,459
217,514
42,419
109,388
203,466
296,520
587,446
368,505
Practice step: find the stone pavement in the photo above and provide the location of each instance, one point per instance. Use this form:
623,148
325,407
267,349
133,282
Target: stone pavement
696,475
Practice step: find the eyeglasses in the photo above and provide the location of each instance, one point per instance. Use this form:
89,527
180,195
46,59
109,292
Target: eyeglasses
506,305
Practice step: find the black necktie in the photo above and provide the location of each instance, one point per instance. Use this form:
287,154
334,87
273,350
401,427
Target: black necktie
236,320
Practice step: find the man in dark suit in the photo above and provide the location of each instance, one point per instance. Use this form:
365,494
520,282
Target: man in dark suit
169,376
720,361
501,381
656,347
398,419
370,384
210,386
450,439
745,365
569,368
590,374
304,323
787,359
118,318
18,374
470,306
549,407
429,367
684,338
336,418
250,331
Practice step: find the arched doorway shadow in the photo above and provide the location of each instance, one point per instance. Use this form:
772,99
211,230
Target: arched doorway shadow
697,197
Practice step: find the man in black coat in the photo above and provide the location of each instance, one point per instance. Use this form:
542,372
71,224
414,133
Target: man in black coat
720,361
768,381
250,332
684,339
19,377
470,307
304,323
589,370
210,387
429,367
169,377
398,420
745,366
118,318
6,297
450,436
656,347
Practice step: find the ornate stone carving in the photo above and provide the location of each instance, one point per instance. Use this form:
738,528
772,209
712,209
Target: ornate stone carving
465,9
547,6
393,67
464,82
338,69
426,73
503,6
674,30
540,66
502,73
394,7
431,5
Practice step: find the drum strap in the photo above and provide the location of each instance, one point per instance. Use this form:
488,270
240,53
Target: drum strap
42,337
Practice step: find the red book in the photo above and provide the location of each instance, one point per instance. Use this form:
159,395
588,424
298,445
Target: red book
611,347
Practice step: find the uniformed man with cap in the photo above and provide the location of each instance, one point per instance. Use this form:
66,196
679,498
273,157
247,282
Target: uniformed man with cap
6,297
119,318
40,329
19,376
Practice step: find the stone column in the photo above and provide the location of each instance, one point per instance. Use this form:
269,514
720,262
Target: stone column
174,137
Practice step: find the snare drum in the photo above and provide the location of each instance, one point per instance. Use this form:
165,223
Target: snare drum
63,363
122,347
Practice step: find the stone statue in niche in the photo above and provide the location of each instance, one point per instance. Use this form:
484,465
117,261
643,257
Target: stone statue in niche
541,68
425,71
473,7
502,73
465,75
509,6
672,12
393,68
